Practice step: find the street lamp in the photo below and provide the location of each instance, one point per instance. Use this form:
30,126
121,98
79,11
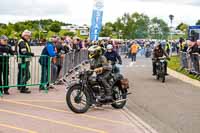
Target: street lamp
171,17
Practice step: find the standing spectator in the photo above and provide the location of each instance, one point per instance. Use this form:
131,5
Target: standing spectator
198,43
134,49
60,57
183,53
48,51
5,50
167,47
75,44
64,44
195,57
25,54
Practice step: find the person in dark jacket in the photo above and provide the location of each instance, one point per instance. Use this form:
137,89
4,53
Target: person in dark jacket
194,51
159,52
25,54
5,51
198,43
114,57
47,52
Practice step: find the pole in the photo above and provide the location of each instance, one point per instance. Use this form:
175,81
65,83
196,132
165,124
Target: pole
171,37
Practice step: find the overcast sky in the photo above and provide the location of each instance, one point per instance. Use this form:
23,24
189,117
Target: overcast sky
80,11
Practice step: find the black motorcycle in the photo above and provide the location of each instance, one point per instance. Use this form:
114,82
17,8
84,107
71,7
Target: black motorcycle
160,68
89,91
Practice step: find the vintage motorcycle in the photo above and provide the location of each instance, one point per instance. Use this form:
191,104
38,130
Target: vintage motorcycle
160,68
88,91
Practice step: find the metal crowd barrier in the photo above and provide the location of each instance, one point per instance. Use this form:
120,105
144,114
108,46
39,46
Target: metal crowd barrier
25,71
190,62
22,71
73,59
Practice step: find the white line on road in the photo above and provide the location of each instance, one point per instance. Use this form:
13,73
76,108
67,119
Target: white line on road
139,122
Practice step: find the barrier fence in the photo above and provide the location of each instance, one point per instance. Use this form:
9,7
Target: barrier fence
22,71
73,59
190,62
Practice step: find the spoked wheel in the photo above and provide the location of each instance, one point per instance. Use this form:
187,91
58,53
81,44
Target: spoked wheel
157,77
163,76
119,95
77,100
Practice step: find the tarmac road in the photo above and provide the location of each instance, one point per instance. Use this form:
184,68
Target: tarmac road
171,107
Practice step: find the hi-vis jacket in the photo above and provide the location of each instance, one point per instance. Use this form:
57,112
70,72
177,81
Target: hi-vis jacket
23,49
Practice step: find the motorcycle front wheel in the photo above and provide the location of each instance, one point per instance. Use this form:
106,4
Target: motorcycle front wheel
77,100
119,95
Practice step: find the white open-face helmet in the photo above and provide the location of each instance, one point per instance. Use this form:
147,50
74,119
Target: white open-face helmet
109,47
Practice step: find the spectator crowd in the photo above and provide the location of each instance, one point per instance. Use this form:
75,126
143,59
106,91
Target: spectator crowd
57,47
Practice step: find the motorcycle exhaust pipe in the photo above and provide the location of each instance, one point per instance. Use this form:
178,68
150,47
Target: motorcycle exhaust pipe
120,101
126,94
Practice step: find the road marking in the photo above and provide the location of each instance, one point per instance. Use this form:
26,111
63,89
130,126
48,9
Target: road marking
139,122
16,128
64,111
42,101
53,121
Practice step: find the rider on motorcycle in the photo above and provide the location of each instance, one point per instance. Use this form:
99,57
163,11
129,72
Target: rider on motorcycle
157,53
101,66
113,56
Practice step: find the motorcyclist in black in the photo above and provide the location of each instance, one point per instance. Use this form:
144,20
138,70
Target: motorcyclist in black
101,66
159,52
113,56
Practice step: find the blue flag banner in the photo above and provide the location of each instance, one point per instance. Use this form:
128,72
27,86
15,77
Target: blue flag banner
97,16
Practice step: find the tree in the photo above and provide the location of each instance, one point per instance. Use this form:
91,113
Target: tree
183,27
198,22
171,17
158,29
66,33
55,27
107,30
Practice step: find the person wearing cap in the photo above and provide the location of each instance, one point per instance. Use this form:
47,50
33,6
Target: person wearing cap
5,51
25,54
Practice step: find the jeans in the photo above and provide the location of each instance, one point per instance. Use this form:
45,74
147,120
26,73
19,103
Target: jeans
23,75
44,75
184,62
133,57
196,63
142,51
4,72
54,70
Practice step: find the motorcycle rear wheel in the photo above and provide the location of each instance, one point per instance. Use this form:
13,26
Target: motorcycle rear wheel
119,95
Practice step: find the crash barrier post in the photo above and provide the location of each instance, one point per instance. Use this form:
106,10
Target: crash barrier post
73,59
190,62
21,71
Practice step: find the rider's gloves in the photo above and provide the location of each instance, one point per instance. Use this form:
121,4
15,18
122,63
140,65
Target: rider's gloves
99,70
